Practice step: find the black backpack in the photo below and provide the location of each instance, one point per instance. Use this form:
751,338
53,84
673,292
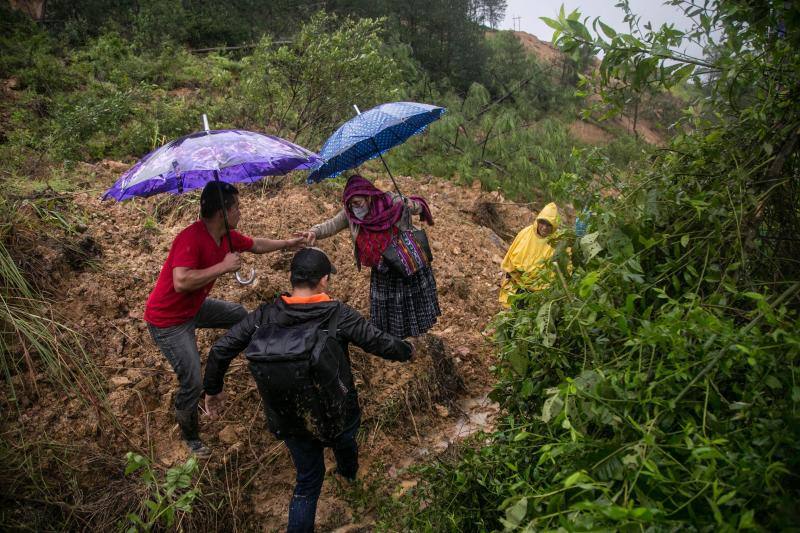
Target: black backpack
303,376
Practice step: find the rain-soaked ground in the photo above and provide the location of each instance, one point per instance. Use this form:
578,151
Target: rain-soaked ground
411,412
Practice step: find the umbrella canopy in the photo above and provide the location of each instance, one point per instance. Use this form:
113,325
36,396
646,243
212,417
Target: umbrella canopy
193,160
370,134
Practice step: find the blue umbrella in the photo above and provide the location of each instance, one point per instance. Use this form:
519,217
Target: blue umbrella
370,134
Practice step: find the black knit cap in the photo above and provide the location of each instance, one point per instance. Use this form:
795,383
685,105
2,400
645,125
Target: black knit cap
311,264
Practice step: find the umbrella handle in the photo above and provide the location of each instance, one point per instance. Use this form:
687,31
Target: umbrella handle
247,281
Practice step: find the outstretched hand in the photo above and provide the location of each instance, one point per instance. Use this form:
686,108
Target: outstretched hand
295,243
308,236
214,404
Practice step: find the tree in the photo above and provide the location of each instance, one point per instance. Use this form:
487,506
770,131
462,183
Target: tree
489,12
654,387
304,88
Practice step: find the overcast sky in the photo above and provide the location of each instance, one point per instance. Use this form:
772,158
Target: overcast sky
529,12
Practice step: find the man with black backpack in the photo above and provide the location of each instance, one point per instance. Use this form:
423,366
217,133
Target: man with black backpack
297,351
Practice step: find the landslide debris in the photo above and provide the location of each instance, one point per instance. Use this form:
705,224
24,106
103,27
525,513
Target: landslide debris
409,410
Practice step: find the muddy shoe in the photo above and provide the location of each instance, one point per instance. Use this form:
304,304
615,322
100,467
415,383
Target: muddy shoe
197,448
344,484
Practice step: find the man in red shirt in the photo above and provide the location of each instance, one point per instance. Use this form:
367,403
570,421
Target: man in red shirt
179,302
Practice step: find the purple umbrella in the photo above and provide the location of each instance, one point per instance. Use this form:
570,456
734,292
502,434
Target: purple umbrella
228,155
192,161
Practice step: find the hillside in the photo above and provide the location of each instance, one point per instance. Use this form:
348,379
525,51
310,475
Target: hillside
591,132
411,412
76,116
648,381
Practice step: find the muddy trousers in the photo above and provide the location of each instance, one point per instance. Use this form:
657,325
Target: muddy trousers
179,346
309,461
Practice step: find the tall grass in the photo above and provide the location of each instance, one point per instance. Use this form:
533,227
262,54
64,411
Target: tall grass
38,348
34,339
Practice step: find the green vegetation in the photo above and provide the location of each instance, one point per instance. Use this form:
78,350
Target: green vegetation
166,498
654,385
656,388
112,96
33,338
302,88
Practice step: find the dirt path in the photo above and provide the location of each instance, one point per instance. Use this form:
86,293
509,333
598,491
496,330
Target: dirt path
409,411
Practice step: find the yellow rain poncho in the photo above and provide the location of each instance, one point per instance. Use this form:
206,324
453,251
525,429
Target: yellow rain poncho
527,254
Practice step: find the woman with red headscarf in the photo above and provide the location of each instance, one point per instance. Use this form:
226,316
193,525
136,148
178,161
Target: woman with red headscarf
405,306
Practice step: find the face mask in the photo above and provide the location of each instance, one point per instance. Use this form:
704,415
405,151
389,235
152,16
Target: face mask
360,212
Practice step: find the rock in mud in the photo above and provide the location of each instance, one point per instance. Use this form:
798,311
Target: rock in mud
228,435
495,239
122,400
79,254
485,214
119,381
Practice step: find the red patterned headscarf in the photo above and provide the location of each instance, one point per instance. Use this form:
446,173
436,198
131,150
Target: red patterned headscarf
383,212
376,228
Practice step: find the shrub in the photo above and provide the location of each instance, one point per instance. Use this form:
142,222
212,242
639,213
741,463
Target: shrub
654,387
307,87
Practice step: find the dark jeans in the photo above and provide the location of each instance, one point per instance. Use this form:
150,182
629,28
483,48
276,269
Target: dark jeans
179,346
309,461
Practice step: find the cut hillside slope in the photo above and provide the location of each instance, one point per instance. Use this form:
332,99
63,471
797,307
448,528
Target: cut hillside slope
409,410
590,132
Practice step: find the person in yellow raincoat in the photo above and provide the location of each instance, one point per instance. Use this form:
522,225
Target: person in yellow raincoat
528,253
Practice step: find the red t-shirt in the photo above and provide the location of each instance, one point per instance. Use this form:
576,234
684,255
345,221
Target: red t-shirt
196,249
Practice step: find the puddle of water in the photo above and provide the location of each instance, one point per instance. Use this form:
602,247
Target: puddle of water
478,414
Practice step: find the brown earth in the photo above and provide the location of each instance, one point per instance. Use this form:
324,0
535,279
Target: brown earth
644,130
410,411
590,133
545,51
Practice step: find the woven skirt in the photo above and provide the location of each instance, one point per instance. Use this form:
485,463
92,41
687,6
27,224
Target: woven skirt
403,306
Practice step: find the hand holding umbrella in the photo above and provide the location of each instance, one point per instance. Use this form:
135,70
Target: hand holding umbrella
237,262
403,299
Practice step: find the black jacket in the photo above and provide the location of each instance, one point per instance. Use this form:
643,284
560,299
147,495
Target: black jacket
352,328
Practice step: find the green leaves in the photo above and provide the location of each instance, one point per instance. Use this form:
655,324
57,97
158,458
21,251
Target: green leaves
608,30
515,515
135,462
165,498
545,325
576,478
590,246
587,283
519,361
552,407
556,25
305,87
668,399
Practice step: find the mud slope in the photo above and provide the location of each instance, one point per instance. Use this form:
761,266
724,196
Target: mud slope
410,411
589,132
